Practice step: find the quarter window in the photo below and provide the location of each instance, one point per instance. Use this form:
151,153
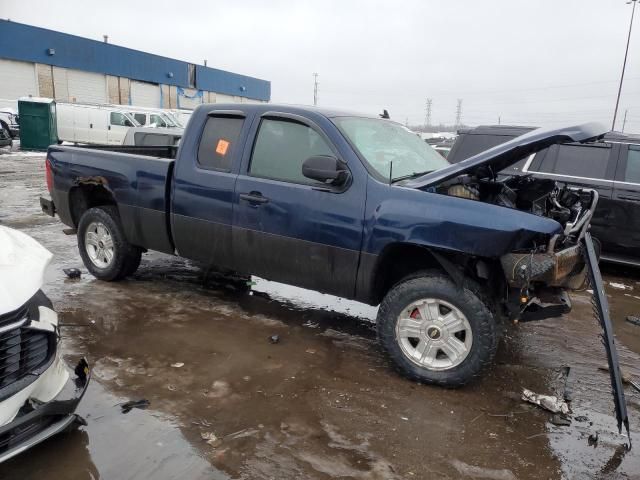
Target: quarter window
219,142
281,148
577,161
632,171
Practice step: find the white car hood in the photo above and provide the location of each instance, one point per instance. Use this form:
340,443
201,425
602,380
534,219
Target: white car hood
22,265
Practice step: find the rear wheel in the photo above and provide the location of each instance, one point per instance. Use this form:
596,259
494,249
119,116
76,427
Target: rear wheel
103,246
436,331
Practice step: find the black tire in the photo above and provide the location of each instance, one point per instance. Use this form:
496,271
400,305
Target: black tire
467,299
125,258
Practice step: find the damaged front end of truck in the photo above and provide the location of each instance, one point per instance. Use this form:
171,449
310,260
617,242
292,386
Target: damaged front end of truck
540,260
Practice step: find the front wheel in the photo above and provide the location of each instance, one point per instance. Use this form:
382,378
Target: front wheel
437,332
103,246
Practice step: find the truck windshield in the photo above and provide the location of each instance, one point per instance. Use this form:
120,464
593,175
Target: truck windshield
393,150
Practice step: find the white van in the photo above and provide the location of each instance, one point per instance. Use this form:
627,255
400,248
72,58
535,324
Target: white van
98,124
153,118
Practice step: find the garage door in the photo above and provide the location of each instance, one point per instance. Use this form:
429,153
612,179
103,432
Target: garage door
86,86
17,79
145,94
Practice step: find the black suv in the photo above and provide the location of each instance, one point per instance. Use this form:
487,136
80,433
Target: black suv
611,166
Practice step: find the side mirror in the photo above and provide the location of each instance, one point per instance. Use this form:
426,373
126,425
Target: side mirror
127,123
325,169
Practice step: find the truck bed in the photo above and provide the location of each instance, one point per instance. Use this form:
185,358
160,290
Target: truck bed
138,182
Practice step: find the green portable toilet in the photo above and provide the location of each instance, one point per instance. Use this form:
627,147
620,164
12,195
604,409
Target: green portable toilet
37,123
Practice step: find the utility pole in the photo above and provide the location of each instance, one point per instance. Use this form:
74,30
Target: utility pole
624,64
315,89
624,121
499,120
427,115
458,113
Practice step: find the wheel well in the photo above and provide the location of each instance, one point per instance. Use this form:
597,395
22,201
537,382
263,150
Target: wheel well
86,196
399,261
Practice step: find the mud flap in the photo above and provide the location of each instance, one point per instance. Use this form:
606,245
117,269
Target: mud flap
601,310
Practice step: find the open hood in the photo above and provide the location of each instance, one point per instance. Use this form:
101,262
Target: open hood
490,162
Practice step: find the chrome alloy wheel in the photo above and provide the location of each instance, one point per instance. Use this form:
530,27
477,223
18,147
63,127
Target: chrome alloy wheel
434,334
98,243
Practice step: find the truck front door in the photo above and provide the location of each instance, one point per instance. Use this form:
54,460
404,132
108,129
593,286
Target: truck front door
203,185
287,227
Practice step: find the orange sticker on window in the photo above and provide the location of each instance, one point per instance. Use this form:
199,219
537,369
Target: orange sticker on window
222,147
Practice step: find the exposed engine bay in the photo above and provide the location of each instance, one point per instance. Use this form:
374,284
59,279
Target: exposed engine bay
558,261
569,206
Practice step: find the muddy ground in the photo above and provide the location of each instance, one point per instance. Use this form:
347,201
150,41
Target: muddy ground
322,403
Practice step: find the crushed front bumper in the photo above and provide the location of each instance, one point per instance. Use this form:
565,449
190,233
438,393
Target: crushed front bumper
565,268
38,421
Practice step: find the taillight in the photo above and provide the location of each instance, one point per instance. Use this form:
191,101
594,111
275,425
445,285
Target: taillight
49,174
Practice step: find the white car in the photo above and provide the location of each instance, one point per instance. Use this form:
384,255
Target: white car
38,397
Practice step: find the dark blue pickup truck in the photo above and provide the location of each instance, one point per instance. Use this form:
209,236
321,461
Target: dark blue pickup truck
351,205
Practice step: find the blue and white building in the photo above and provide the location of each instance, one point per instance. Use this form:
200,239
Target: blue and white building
45,63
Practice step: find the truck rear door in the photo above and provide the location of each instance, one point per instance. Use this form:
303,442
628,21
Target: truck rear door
287,227
203,185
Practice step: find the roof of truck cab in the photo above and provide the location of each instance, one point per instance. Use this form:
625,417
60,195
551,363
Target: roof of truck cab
286,108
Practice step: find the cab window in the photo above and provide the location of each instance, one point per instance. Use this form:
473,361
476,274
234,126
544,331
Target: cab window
219,142
119,119
158,120
281,148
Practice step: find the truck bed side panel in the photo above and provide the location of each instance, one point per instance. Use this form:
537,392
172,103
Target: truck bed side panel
137,184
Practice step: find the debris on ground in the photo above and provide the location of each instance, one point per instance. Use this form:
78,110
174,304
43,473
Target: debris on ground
581,418
142,404
211,438
548,402
72,272
593,440
274,338
560,420
310,350
633,320
620,286
177,365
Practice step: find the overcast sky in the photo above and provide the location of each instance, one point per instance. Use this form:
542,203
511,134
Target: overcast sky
537,62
